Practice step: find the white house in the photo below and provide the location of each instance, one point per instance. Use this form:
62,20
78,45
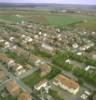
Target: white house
79,53
47,47
66,84
75,45
68,61
11,39
41,84
6,44
11,63
89,67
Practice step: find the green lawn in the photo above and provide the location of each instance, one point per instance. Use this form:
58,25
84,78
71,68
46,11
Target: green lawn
32,79
89,25
45,17
62,20
11,18
7,98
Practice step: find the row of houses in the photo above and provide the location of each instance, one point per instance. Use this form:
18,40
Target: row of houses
14,89
63,82
66,84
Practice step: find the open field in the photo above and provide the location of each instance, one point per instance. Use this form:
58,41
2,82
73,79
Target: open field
47,17
32,79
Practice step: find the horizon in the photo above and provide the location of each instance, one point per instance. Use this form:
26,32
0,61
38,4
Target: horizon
75,2
48,3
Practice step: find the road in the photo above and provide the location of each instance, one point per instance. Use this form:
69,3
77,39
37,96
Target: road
69,74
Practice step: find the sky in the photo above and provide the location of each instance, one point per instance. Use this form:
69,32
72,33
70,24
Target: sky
93,2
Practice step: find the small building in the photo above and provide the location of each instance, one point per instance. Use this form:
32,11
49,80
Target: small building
47,47
68,61
11,63
13,88
66,83
75,45
11,39
35,59
45,69
85,95
2,40
7,44
79,53
18,69
41,84
24,96
4,58
89,67
27,40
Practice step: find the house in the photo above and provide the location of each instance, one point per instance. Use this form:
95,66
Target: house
86,47
13,88
41,84
1,40
93,33
89,67
23,36
35,59
18,69
66,83
44,34
24,96
11,63
28,66
79,53
75,45
68,61
4,58
28,39
45,69
85,95
7,44
36,37
11,39
58,30
47,47
40,33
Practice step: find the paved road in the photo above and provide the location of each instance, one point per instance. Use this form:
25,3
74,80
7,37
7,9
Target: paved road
23,86
69,74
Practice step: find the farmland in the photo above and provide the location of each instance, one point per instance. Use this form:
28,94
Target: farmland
49,18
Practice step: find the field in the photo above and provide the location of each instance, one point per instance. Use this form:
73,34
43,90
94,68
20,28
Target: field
7,98
49,18
32,79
